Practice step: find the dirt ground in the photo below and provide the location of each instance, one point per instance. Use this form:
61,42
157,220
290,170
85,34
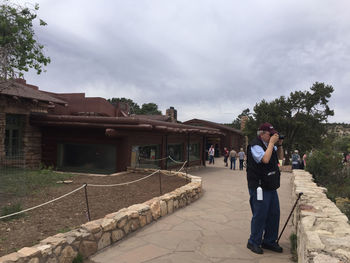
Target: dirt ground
70,212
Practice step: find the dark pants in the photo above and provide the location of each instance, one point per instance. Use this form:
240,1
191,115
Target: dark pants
211,159
241,164
233,161
295,165
225,160
266,217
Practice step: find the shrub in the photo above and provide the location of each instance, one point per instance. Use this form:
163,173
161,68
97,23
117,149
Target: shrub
78,259
327,170
7,210
293,248
325,166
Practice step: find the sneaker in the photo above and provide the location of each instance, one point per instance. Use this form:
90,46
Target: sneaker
254,248
274,247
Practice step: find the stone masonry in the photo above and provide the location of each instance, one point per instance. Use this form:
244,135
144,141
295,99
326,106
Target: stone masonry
98,234
31,145
31,137
2,135
323,231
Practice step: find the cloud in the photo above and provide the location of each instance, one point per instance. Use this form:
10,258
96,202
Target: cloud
208,59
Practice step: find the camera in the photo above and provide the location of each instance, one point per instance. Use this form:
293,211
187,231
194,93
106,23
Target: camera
281,137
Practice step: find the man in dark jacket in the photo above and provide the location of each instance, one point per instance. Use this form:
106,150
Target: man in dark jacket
263,173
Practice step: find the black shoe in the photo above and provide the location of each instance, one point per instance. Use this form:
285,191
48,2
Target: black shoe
254,248
274,247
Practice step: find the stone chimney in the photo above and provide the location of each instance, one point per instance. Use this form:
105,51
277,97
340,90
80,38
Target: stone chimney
243,122
122,109
24,82
172,113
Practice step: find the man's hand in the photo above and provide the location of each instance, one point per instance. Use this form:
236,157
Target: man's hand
280,142
274,138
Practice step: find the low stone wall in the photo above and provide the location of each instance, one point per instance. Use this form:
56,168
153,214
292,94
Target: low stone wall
98,234
322,229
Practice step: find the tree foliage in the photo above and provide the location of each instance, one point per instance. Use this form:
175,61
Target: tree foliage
19,50
299,117
134,108
146,109
150,109
342,144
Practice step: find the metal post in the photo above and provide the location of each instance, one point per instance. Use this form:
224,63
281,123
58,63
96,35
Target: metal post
166,151
204,150
291,212
87,203
160,183
188,151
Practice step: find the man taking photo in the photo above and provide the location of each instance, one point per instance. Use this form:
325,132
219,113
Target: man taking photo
263,177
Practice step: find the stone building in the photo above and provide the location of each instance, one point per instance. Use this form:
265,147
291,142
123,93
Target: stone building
20,142
74,133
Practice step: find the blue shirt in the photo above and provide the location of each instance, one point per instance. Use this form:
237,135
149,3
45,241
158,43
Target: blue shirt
258,152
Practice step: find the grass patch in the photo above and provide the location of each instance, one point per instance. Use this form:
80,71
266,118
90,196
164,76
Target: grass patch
20,182
7,210
294,245
63,230
78,259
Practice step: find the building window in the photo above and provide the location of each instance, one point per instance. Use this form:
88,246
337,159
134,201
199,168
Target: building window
92,158
13,135
194,151
175,151
145,156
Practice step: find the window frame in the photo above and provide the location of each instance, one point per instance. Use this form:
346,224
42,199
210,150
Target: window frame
64,166
194,157
13,145
136,158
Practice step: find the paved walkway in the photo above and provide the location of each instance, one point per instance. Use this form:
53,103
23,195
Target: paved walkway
215,228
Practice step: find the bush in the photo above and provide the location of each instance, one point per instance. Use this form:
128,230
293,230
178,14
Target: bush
327,170
7,210
326,167
344,205
78,259
293,249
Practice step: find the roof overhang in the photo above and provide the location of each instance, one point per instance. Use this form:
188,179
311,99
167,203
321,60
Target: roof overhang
114,124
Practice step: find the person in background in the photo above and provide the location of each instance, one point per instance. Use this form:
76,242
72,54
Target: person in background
304,160
232,156
263,176
211,153
241,156
225,156
295,160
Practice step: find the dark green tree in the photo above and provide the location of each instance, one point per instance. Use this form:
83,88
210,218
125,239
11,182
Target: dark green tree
134,108
300,117
19,49
150,109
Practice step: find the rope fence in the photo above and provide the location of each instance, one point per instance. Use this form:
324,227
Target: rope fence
161,159
32,208
152,160
175,160
96,185
138,180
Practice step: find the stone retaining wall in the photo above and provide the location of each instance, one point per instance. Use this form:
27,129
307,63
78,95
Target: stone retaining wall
323,231
98,234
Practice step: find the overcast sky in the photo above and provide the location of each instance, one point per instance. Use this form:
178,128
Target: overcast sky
208,59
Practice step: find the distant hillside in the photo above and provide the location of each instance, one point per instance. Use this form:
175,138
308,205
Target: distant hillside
341,129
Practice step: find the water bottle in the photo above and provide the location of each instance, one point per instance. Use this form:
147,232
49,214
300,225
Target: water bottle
259,193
